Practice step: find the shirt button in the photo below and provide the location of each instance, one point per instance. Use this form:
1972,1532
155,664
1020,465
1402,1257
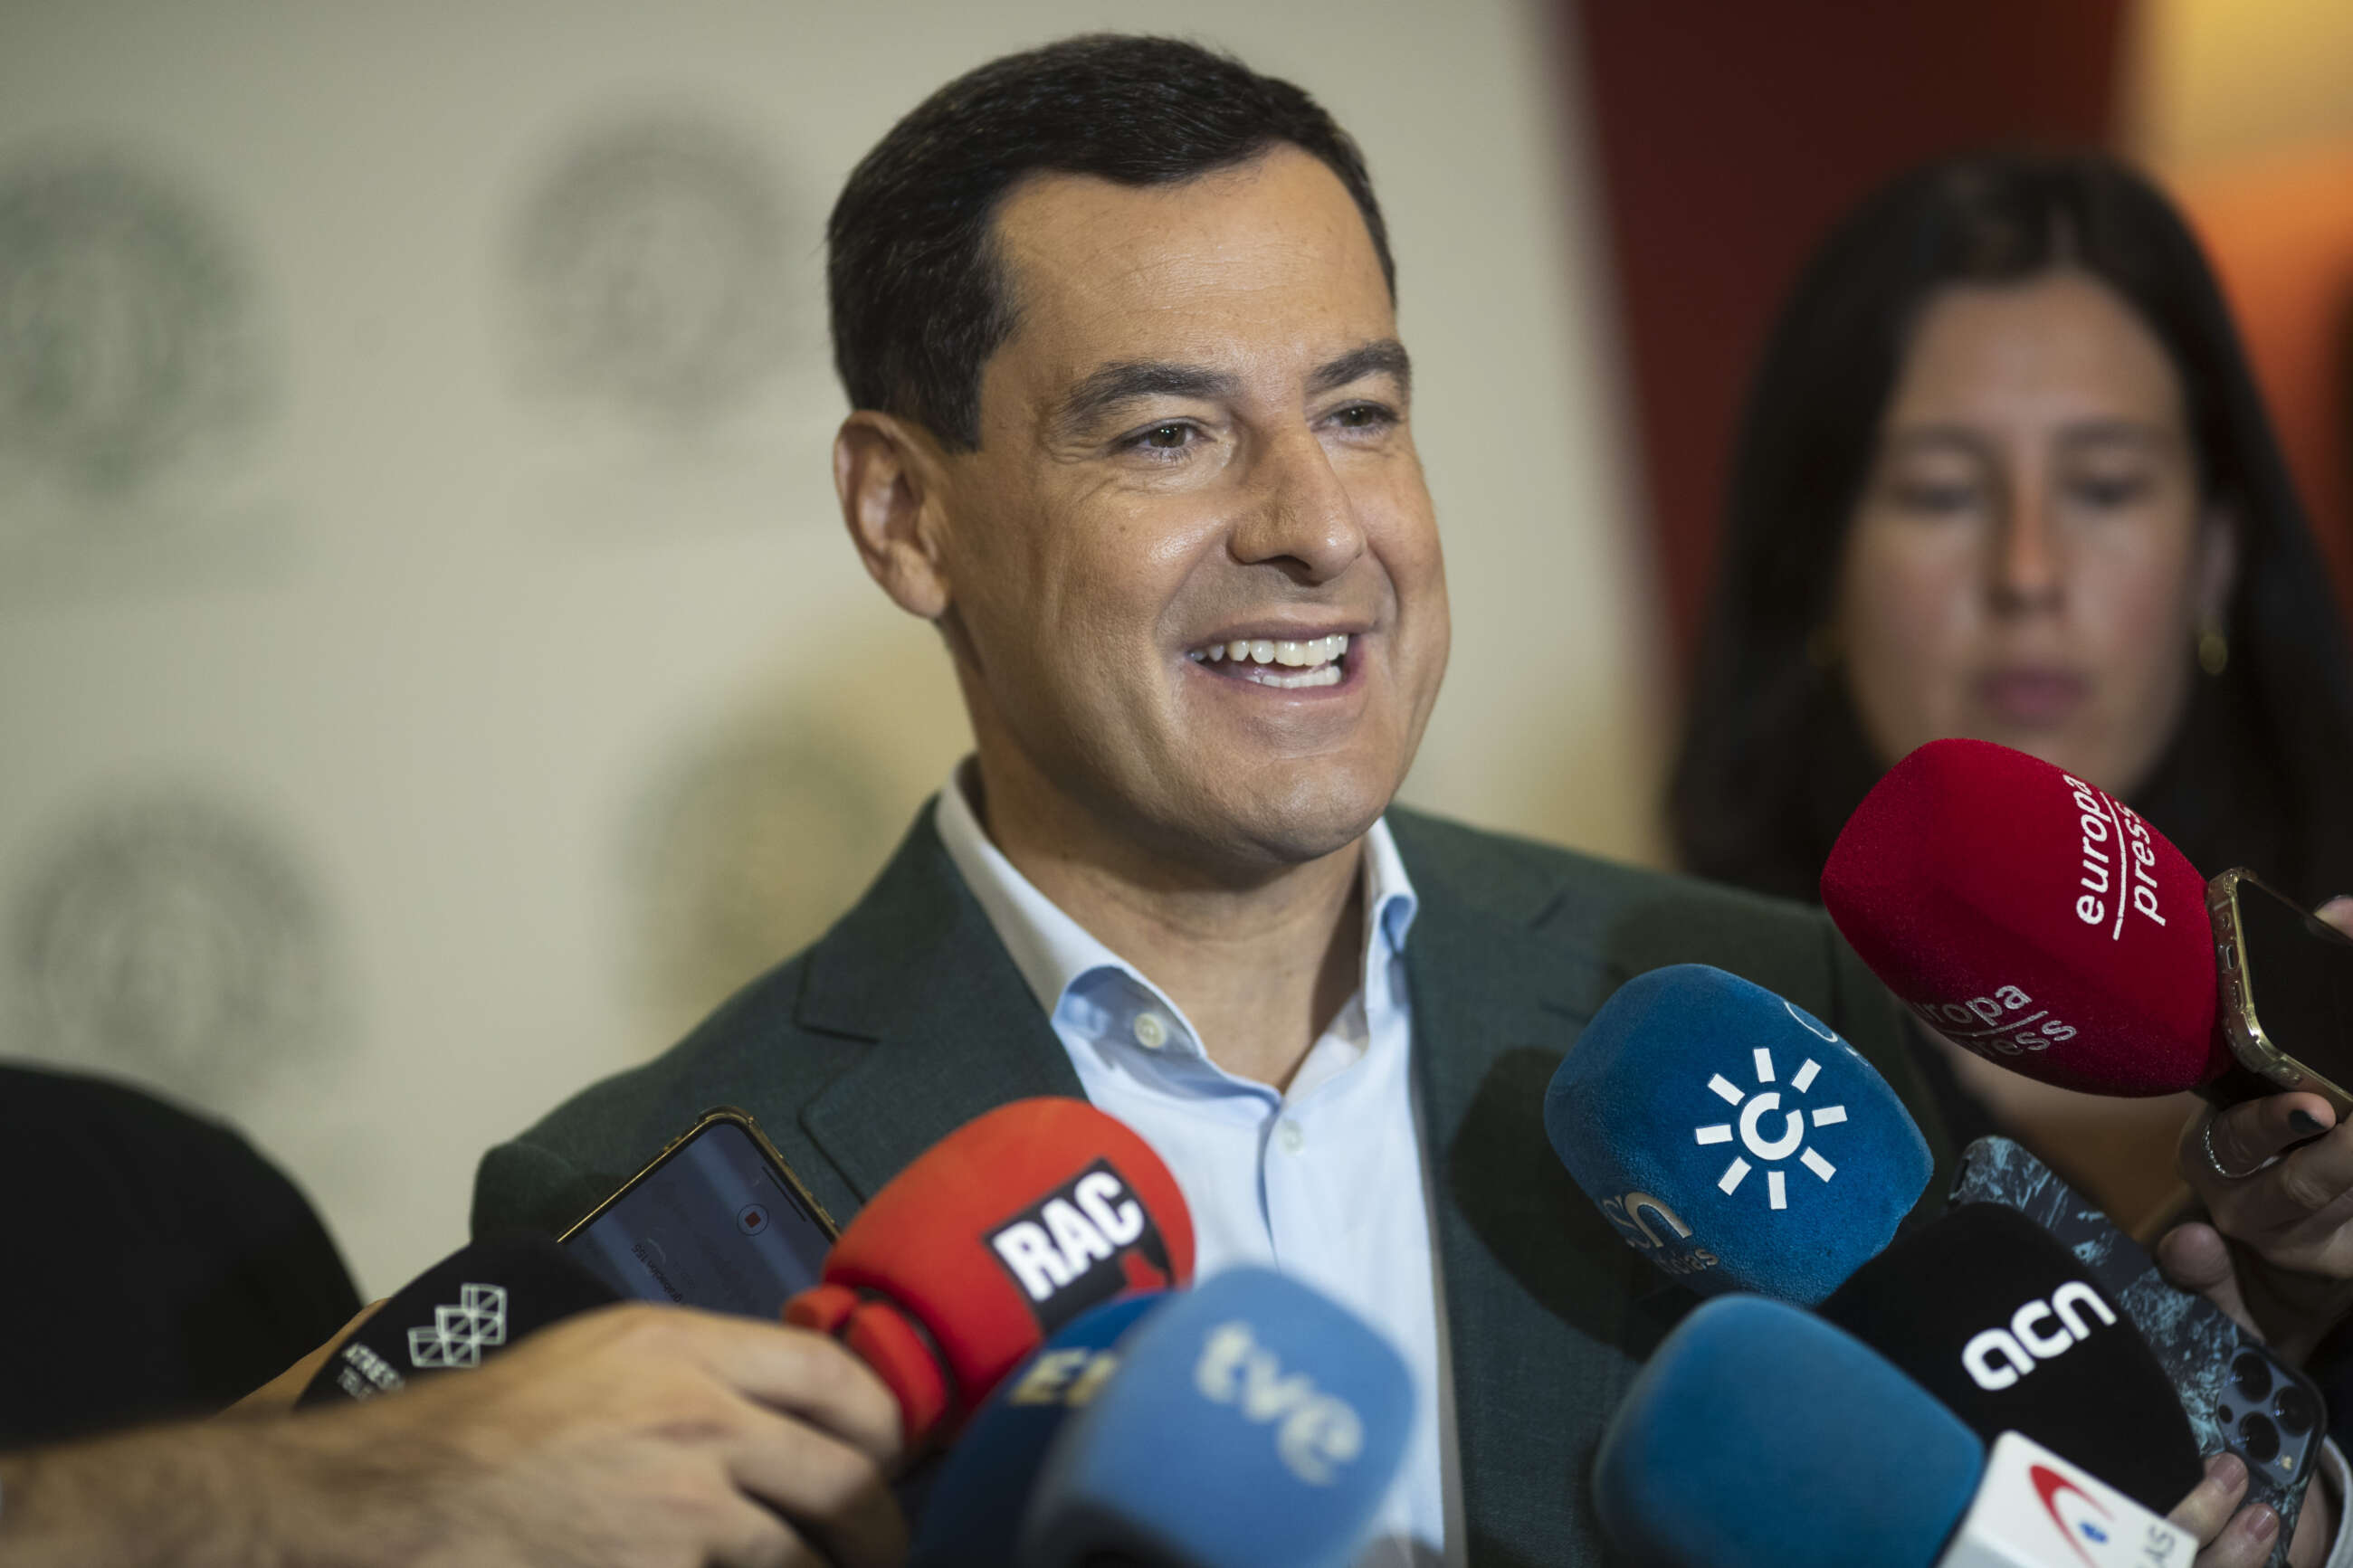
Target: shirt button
1151,1031
1291,1137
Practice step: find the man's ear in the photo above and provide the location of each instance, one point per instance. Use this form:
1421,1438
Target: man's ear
888,474
2217,565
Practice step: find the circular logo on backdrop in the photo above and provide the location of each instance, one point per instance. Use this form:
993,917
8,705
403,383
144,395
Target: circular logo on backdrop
172,938
749,851
123,340
653,270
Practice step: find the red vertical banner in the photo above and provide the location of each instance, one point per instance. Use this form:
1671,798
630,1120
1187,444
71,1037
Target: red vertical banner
1730,136
2280,232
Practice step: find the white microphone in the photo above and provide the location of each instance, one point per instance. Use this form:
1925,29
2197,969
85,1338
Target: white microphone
2034,1509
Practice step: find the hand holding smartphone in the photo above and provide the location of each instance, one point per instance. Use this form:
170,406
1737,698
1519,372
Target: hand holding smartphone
2286,989
2239,1394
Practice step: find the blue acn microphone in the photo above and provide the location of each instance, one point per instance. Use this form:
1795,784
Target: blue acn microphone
1253,1420
1732,1137
1758,1436
973,1512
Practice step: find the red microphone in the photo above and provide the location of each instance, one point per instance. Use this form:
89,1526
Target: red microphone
995,1237
2033,919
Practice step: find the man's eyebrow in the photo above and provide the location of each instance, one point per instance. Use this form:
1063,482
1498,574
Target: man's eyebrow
1387,357
1125,381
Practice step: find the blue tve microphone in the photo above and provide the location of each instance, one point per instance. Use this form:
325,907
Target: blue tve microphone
974,1509
1253,1420
1732,1137
1758,1435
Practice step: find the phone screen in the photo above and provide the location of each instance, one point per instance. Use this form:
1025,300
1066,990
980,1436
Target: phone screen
2300,978
714,1224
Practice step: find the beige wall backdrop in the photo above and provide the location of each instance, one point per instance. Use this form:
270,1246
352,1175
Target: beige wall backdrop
430,669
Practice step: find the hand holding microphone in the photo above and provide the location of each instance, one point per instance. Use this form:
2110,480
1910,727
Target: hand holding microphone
732,1439
998,1235
2031,918
619,1436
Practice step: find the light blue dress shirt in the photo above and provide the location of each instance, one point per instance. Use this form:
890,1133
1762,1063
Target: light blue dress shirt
1324,1182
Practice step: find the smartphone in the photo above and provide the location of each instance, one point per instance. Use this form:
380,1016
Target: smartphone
718,1221
2288,989
2237,1394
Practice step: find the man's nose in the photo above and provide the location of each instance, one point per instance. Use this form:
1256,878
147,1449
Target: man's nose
1300,516
2029,565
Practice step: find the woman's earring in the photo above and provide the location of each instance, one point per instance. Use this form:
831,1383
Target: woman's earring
2214,647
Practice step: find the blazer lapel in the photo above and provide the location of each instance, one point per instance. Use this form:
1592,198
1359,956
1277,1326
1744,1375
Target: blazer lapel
916,968
1541,1299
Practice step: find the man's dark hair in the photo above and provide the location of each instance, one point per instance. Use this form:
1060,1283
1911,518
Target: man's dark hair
917,299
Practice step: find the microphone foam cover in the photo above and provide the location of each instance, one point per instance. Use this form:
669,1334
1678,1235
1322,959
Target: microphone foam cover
972,1516
1251,1421
1732,1137
1760,1436
471,1304
2001,1323
2032,918
992,1239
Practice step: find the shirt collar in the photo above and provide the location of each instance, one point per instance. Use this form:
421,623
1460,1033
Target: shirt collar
1053,952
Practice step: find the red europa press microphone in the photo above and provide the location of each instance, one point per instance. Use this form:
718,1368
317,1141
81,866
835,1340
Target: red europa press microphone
2033,919
995,1237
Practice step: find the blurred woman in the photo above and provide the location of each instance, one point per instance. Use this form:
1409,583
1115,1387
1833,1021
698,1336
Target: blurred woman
2004,474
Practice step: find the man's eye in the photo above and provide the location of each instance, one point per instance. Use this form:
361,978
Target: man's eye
1166,437
1364,417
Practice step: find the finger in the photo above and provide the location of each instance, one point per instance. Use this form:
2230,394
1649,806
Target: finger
803,1375
281,1392
2339,912
2207,1508
746,1535
835,1491
2245,1542
2309,1179
2245,1135
2195,1258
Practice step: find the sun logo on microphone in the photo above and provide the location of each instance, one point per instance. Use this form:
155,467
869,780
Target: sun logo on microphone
1789,1139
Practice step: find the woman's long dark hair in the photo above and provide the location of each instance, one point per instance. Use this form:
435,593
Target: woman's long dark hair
1773,760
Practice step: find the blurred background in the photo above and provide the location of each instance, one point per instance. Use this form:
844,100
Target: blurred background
431,671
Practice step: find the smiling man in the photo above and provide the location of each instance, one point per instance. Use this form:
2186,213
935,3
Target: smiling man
1133,428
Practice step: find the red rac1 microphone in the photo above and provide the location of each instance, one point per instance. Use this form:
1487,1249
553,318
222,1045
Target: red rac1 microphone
2032,918
994,1239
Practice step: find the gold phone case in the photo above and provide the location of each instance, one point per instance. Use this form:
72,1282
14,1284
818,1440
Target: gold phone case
717,1113
2243,1026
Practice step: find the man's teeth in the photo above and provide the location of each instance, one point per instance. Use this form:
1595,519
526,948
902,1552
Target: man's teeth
1306,655
1317,659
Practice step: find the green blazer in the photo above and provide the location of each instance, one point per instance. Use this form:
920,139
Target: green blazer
908,1018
